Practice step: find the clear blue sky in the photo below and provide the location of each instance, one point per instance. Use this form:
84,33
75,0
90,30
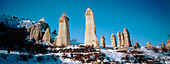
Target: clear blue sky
146,20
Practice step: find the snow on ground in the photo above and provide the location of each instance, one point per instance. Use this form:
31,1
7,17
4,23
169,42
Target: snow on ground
113,54
51,58
14,58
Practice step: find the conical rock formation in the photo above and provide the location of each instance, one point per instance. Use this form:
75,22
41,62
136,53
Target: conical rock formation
113,41
168,45
102,40
122,39
47,36
32,31
136,45
37,33
119,39
148,45
90,32
63,37
127,38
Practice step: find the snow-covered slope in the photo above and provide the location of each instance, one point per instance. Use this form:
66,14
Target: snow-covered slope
14,22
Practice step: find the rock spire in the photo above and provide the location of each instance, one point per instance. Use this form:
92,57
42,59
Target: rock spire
113,40
119,39
102,40
47,36
90,32
127,38
63,37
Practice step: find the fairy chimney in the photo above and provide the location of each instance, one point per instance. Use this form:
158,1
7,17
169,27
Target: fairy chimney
113,41
127,38
90,32
102,40
136,45
122,39
37,33
47,36
168,45
119,39
63,37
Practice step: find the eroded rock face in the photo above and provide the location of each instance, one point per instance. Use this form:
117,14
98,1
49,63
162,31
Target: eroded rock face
113,41
90,32
163,45
63,37
122,39
102,40
168,45
148,45
47,36
136,45
32,27
126,38
37,33
119,39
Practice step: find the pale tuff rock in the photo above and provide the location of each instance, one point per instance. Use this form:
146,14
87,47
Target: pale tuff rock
47,36
119,39
126,38
113,41
37,33
32,27
136,45
90,32
168,45
122,39
44,25
163,45
102,40
148,45
42,19
63,37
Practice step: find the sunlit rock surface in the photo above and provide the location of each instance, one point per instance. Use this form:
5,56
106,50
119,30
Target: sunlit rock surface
90,32
63,37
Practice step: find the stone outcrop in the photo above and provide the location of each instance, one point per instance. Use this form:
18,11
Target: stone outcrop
63,37
122,39
168,45
126,38
32,27
47,36
148,45
37,33
136,45
119,39
113,41
44,25
102,40
163,45
90,32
